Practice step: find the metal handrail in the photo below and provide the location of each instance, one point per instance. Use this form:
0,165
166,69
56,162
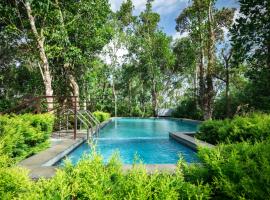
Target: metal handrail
89,114
93,116
82,119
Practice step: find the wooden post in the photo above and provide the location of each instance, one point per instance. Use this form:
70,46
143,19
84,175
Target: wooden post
38,105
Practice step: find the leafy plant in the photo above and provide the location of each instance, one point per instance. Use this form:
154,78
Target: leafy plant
188,109
24,135
254,127
234,171
101,116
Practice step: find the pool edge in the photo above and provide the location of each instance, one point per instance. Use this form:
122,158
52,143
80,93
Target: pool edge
47,170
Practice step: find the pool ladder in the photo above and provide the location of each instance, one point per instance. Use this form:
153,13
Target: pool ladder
84,118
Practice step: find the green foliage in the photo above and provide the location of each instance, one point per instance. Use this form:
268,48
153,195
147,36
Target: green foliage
15,183
102,116
24,135
185,53
188,109
234,171
92,179
250,40
255,127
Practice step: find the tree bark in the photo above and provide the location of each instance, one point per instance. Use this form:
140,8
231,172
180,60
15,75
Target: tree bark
115,98
226,59
45,68
154,99
73,84
201,79
210,68
201,68
228,100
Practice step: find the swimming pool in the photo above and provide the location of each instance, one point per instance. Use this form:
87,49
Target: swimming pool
147,139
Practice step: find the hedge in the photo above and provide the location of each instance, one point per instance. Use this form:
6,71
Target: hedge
231,171
24,135
255,127
101,116
92,179
234,171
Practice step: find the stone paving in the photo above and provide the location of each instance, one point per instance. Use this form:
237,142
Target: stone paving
40,165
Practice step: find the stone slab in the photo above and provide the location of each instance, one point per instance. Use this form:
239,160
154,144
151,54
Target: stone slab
189,141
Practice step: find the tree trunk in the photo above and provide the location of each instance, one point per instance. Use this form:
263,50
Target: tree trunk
210,68
73,84
67,66
45,69
154,100
201,80
226,59
228,99
201,98
115,98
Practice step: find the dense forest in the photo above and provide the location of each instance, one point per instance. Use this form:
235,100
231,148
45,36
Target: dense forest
219,68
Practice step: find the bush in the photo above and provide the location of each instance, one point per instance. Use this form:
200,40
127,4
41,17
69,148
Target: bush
24,135
255,127
101,116
188,109
234,171
15,183
92,179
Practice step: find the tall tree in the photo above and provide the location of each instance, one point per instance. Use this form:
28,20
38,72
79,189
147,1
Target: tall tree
251,42
154,52
40,39
205,23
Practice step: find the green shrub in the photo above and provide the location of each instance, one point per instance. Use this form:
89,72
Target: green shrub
24,135
255,127
92,179
15,183
101,116
188,109
234,171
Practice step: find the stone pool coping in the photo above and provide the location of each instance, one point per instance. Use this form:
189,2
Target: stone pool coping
40,165
187,139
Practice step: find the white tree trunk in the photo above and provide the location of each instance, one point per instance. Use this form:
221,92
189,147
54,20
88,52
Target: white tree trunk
46,74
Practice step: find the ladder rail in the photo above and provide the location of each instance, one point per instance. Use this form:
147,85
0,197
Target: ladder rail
82,119
92,118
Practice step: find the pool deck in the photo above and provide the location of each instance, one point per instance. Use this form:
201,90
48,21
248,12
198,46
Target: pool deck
41,164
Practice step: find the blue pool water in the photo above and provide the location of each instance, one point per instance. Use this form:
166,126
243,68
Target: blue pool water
147,139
